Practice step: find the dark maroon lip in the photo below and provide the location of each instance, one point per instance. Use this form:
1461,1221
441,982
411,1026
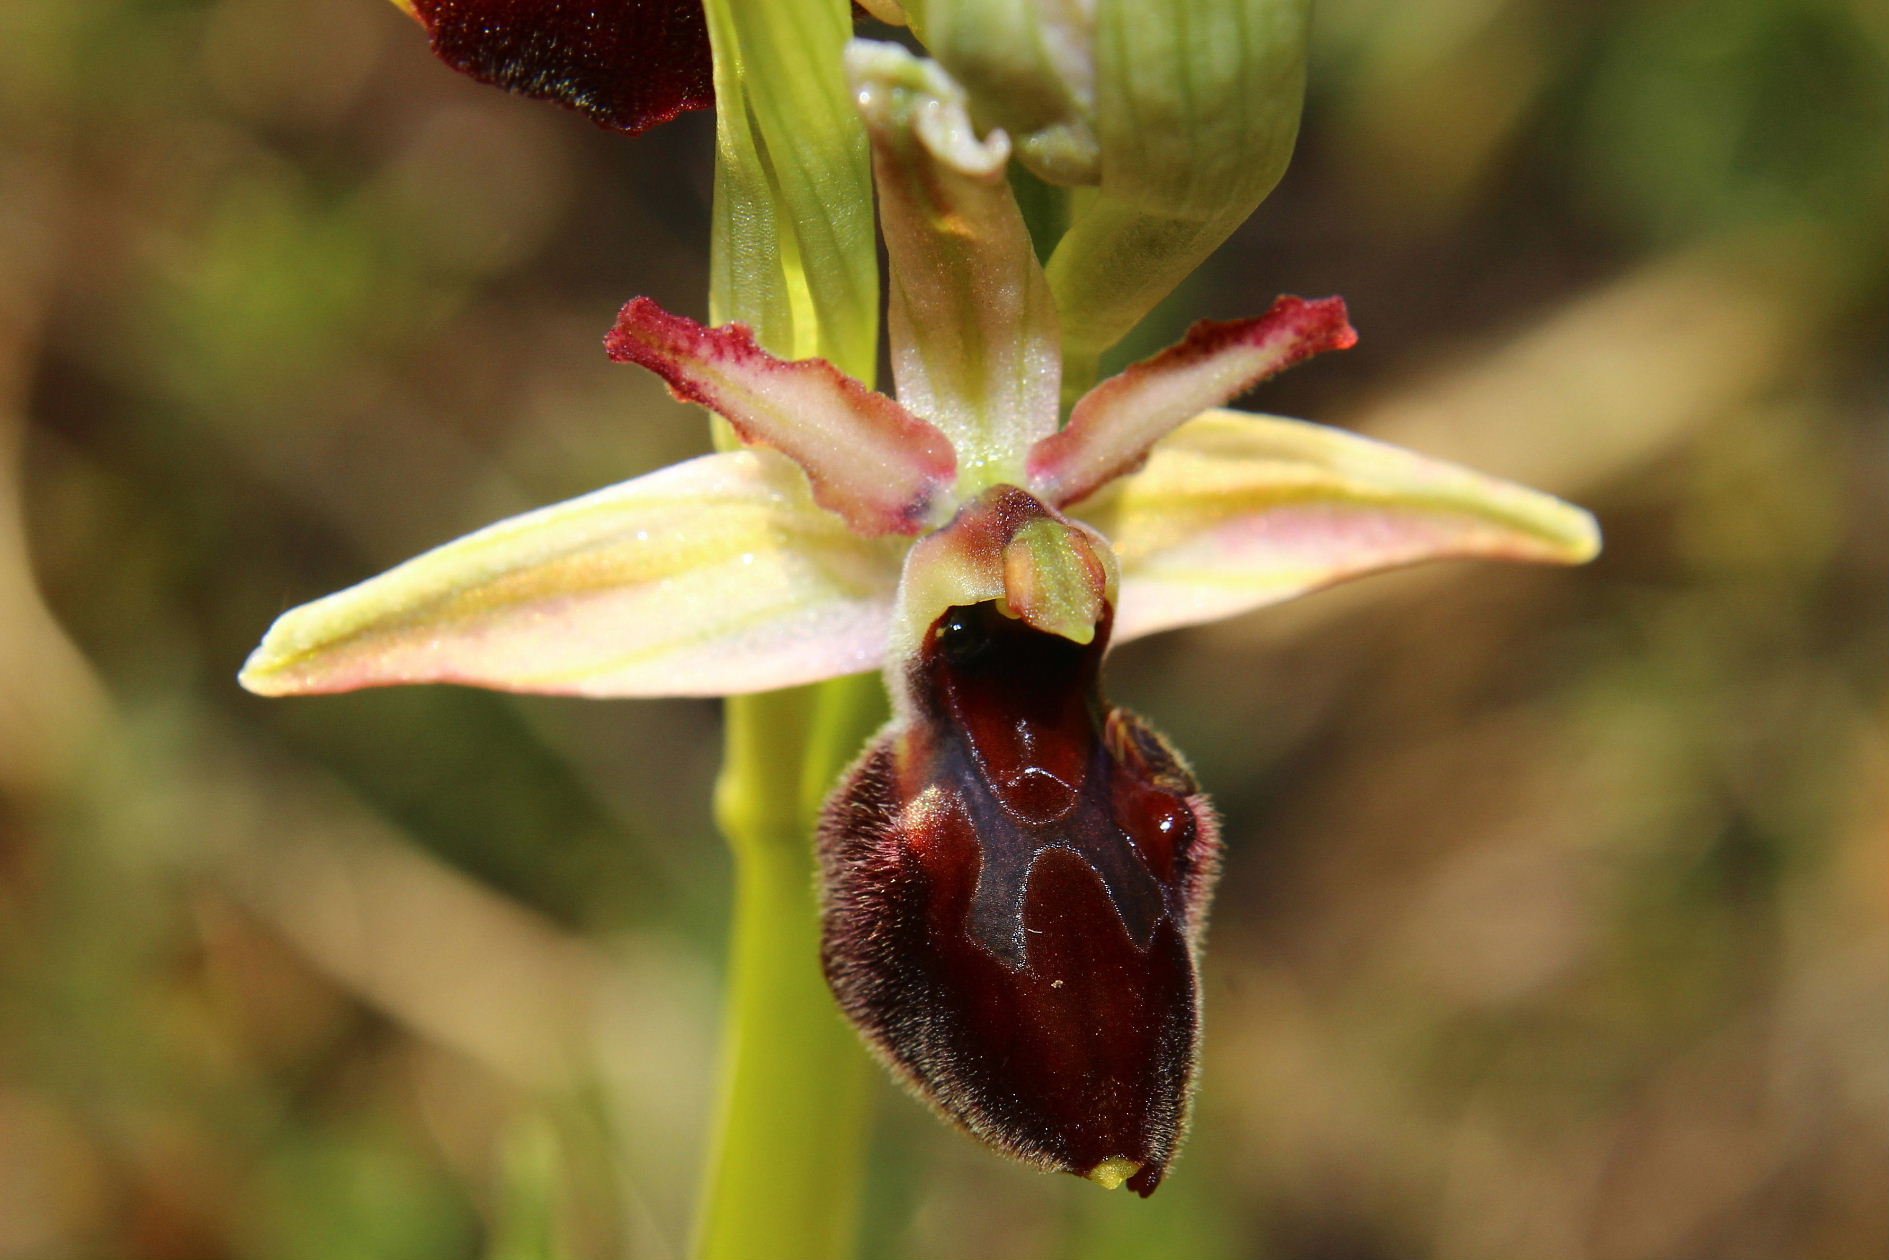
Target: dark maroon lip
1014,881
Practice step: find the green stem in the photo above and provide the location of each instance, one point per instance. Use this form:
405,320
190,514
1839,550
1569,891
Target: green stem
793,254
784,1177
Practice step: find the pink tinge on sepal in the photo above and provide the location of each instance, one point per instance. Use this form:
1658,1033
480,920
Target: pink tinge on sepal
628,65
715,576
1113,425
870,460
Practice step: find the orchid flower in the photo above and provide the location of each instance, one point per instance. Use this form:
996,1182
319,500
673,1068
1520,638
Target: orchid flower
1015,872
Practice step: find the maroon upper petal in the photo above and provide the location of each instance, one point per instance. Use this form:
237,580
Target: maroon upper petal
628,64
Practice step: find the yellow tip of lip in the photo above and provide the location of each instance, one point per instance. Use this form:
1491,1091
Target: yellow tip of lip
1111,1173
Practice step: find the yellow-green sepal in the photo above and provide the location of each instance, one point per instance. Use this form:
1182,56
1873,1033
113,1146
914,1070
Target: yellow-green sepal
1233,512
712,577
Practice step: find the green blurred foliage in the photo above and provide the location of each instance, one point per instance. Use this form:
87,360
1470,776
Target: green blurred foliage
1554,919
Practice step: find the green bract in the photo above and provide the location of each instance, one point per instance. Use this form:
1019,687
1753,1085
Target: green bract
792,158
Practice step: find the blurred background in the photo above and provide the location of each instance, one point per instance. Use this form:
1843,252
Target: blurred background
1556,914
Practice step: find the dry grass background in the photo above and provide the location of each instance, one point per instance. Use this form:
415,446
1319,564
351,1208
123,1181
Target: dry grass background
1556,920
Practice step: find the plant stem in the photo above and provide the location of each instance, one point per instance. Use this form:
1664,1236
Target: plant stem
793,254
784,1177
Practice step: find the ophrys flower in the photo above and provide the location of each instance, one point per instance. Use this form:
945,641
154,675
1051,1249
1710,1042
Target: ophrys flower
1016,872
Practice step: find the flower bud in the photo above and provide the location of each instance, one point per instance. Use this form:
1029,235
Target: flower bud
1181,114
1030,65
1015,879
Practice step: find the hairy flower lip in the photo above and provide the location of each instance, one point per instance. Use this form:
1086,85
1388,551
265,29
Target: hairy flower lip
1029,974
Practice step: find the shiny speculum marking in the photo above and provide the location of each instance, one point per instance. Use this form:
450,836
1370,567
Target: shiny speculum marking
1019,730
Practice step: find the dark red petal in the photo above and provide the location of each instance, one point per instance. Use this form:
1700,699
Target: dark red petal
629,64
1015,882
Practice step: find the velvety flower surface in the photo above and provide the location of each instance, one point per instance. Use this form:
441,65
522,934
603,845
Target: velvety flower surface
627,64
1015,878
1015,872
